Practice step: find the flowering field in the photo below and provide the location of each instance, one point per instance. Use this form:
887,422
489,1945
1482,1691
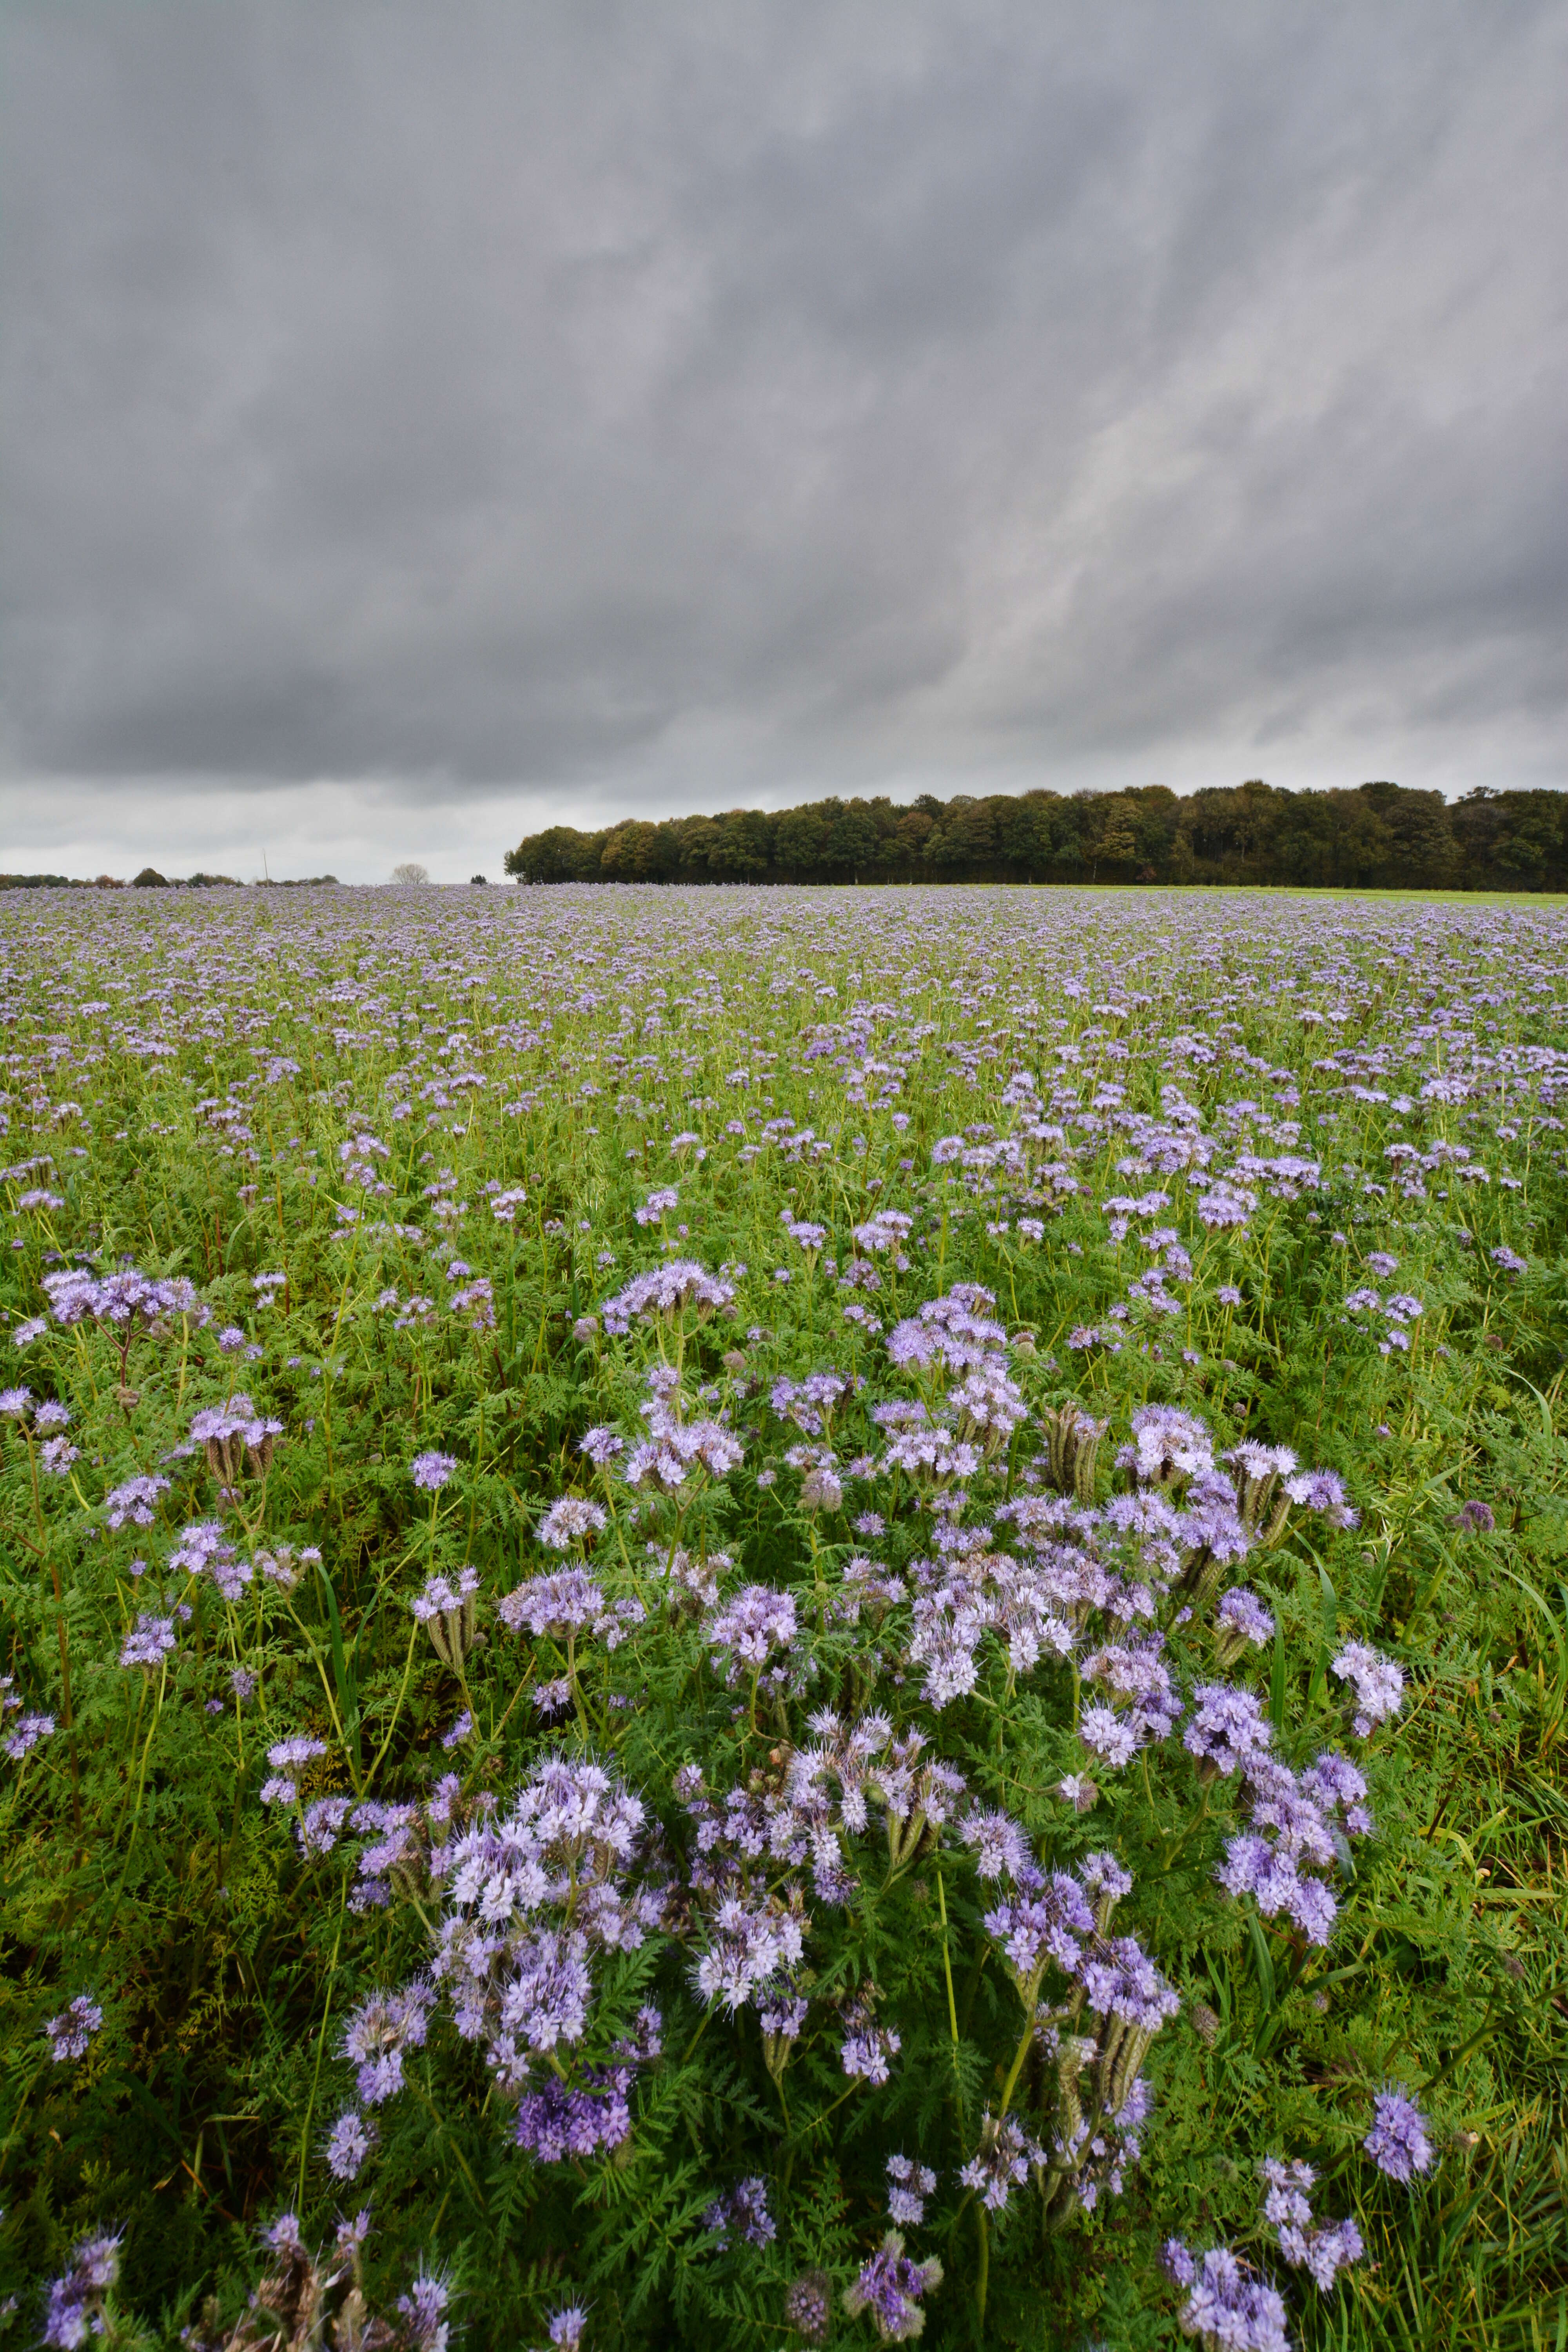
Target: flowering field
755,1618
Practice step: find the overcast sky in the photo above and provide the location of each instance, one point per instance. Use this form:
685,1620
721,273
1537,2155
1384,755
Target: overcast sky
423,424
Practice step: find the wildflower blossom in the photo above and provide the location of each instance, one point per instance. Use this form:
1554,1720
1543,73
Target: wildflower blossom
204,1550
73,2308
890,2286
71,2032
744,2210
1398,2142
661,1294
348,2144
430,1472
1228,2307
1001,2163
867,2047
1227,1728
25,1734
1322,2250
751,1626
910,2185
149,1642
1379,1684
319,1826
378,2032
572,1519
1241,1621
133,1503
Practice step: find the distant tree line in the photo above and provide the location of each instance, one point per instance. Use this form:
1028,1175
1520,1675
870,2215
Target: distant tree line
150,879
1377,835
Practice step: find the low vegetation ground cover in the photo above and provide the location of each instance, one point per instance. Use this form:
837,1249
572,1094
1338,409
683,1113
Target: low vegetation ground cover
764,1617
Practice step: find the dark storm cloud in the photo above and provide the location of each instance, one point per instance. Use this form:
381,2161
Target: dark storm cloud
704,403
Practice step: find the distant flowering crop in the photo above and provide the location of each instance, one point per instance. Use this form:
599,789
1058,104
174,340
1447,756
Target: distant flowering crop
844,1672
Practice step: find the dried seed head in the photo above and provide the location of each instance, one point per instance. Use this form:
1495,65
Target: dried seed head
809,2306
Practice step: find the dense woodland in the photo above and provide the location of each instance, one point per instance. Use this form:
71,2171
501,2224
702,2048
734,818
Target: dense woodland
1378,835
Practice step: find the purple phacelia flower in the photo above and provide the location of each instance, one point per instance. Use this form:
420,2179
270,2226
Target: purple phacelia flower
1398,2142
71,2032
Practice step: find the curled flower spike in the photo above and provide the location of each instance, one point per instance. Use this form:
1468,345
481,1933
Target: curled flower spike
446,1612
235,1436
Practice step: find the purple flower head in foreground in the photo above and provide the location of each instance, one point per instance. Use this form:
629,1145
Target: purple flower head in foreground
1322,1491
1002,2161
557,2125
52,1415
1111,1736
1228,1727
754,1623
283,2236
663,1292
442,1598
868,2046
72,2030
1324,2250
378,2032
572,1519
27,1733
204,1550
1475,1518
56,1455
348,2144
133,1503
284,1757
431,1471
1228,2308
1379,1684
910,2185
1398,2142
423,2311
569,1603
74,2309
566,2327
319,1826
149,1642
745,2208
1243,1617
889,2287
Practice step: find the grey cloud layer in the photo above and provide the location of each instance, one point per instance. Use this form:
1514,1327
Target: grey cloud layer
774,397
